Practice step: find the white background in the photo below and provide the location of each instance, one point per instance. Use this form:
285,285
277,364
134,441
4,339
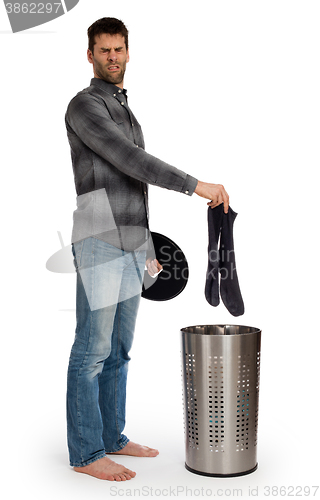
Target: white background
228,91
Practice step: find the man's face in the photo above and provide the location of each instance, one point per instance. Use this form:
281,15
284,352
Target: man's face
109,58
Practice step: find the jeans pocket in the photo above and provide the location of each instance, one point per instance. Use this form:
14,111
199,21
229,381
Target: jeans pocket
77,254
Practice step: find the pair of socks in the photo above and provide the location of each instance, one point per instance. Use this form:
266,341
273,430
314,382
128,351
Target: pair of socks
222,263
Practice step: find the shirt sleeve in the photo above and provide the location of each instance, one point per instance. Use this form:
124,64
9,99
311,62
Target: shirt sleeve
90,120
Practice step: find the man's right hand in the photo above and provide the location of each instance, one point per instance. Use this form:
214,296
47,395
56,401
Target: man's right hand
153,267
214,192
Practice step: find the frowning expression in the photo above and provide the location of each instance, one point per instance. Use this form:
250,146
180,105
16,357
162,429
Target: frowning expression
109,58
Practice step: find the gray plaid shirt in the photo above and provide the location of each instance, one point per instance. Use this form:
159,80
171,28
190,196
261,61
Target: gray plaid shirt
112,169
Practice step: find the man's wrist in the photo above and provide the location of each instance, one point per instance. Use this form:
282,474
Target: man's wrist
198,188
190,185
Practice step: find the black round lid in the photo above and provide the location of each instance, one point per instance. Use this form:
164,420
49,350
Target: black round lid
172,280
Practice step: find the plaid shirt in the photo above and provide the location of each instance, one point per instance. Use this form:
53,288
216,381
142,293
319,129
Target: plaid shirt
112,169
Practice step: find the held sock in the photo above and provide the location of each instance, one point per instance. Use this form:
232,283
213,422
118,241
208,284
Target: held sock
222,261
229,284
212,277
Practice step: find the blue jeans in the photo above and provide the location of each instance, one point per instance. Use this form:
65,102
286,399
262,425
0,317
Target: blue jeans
108,295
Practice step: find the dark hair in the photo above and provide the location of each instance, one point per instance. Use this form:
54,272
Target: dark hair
108,25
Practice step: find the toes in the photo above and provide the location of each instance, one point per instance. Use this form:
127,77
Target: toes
151,452
119,477
129,474
122,477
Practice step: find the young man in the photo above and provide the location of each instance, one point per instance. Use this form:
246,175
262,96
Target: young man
112,172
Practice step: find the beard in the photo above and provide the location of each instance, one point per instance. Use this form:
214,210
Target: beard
107,76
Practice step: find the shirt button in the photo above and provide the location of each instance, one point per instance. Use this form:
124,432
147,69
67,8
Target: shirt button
122,104
119,91
187,192
114,95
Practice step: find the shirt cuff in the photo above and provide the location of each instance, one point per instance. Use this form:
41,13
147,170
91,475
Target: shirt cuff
190,185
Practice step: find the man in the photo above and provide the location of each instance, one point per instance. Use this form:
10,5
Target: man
110,232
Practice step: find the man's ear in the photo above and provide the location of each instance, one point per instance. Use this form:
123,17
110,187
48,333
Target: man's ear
89,56
128,58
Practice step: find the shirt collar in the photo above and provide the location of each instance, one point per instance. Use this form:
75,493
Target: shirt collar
108,87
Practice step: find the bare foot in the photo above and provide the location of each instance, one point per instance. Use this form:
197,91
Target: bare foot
104,468
136,450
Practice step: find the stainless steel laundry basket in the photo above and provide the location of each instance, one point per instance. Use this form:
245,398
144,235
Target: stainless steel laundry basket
221,371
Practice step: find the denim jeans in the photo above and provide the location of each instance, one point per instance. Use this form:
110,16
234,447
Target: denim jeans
108,295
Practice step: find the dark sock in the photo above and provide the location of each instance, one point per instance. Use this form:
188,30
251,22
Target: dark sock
229,284
212,277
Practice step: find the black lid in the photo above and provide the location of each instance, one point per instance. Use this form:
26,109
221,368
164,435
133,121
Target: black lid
172,280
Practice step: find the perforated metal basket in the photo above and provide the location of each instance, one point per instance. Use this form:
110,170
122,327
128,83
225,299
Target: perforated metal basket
221,371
